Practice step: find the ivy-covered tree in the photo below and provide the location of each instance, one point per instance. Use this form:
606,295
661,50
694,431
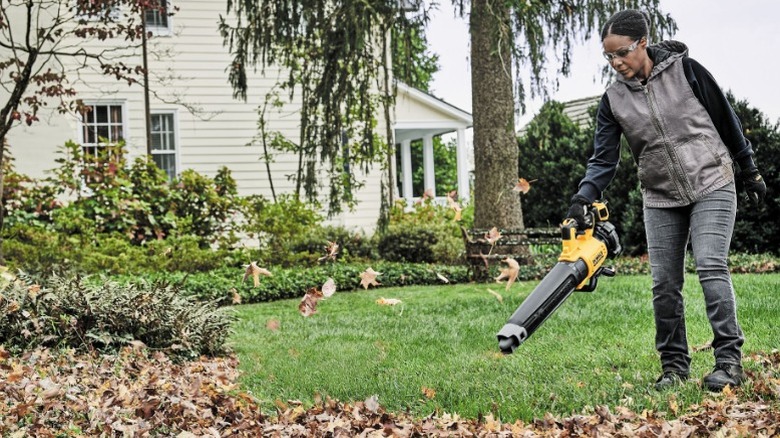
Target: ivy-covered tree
40,40
521,34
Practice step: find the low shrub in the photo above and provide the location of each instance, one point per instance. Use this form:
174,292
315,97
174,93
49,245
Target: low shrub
106,315
407,244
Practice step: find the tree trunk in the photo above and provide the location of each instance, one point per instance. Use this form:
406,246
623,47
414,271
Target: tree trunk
495,145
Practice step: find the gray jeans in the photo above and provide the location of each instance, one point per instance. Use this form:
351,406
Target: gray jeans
709,224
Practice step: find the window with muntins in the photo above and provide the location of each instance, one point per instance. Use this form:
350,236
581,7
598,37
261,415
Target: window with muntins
164,143
102,124
157,18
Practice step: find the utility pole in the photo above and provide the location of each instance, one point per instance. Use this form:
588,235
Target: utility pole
147,111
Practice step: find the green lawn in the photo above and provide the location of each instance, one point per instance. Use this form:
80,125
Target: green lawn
598,348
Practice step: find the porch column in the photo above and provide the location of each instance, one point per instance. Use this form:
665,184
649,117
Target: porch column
429,177
406,170
461,157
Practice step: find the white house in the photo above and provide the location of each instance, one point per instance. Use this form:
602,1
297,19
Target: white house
197,124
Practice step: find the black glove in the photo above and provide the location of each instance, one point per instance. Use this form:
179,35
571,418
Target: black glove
579,211
755,187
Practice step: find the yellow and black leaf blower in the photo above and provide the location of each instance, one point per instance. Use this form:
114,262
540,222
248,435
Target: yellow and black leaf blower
585,249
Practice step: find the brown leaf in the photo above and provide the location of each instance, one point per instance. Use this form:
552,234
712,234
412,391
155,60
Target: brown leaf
255,271
331,250
273,325
308,304
523,185
368,278
493,236
429,393
510,273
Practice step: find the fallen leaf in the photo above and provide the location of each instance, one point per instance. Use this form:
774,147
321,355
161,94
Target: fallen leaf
273,325
372,403
497,295
706,346
388,301
328,288
308,304
255,271
510,273
442,278
368,278
429,393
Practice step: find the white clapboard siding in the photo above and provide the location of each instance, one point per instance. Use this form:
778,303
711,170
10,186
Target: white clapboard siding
190,65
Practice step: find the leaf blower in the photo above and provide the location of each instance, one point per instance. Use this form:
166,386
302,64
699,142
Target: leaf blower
585,249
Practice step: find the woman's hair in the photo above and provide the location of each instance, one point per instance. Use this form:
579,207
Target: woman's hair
630,22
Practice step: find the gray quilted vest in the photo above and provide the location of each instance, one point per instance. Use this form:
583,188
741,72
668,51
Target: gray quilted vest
680,154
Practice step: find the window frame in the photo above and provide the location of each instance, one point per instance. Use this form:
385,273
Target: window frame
157,29
177,143
82,123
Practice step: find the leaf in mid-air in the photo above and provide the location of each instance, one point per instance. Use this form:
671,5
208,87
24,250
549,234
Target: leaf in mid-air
255,271
523,185
368,278
493,236
331,250
497,295
308,304
328,288
510,272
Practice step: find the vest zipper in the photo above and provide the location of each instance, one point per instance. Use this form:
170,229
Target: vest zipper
679,175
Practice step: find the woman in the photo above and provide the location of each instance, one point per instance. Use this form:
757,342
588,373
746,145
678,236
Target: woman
684,136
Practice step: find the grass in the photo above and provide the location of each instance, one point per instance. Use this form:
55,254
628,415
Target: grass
597,349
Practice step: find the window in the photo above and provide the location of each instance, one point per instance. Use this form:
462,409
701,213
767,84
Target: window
101,124
157,18
164,142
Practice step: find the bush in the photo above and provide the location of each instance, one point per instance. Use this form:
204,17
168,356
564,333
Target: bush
403,244
428,233
353,246
67,312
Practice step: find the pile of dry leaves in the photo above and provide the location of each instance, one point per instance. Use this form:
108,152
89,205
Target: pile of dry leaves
137,393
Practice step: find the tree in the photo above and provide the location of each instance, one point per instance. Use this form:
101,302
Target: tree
338,57
43,43
507,37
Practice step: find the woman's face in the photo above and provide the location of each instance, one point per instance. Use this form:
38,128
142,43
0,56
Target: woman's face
626,55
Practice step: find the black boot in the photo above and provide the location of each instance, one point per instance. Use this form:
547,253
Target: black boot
724,374
669,379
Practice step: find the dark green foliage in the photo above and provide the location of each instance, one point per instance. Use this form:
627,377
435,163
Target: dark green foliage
218,285
556,151
107,196
757,228
39,251
353,246
402,244
104,315
552,152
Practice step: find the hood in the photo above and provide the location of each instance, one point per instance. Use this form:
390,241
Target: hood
663,55
659,52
